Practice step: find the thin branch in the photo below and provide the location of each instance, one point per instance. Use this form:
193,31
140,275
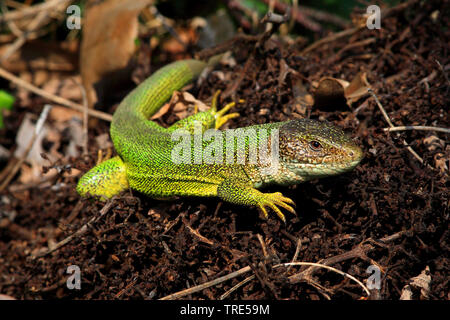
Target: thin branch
330,38
384,14
208,284
12,26
197,234
388,120
33,10
240,284
239,272
357,252
64,102
38,21
80,231
328,268
297,251
423,128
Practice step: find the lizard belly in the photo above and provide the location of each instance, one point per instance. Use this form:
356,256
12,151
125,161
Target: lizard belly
180,180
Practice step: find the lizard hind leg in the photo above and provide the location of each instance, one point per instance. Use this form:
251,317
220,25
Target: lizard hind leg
105,180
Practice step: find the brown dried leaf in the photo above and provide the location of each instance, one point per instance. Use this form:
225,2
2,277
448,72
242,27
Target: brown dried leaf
422,282
109,33
357,88
330,92
333,91
182,105
432,143
24,136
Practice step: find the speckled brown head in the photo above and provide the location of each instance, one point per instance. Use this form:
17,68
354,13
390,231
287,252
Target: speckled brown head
312,149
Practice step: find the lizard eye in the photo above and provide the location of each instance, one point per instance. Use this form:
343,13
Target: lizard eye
315,145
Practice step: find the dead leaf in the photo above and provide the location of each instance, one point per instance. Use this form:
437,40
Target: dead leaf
51,136
6,297
162,111
182,105
422,282
357,88
24,136
330,93
334,92
441,159
432,143
407,293
109,33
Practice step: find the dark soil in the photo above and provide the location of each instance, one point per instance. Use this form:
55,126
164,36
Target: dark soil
391,211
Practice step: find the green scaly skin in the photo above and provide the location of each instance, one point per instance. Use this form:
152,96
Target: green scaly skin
308,149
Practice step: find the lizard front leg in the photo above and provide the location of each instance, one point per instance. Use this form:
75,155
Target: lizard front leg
242,192
210,119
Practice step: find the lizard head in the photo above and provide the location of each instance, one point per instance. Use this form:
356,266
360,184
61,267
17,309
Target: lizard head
312,149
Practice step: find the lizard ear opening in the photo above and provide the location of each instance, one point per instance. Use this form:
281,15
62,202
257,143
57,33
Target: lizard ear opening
105,180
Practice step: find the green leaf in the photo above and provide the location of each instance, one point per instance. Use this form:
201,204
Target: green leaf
6,102
256,5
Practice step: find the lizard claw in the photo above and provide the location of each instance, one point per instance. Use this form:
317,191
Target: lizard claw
273,201
221,116
101,158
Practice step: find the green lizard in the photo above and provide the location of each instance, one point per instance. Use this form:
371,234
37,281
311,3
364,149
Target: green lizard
307,149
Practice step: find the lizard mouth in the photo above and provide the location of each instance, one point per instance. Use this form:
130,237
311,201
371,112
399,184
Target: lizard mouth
327,165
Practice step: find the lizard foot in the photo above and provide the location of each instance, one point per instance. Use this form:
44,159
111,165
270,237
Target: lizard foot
221,116
101,158
273,201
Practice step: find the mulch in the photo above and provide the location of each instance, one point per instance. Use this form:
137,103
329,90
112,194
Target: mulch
391,211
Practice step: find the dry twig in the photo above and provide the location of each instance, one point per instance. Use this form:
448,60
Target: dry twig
388,120
67,103
80,231
33,10
38,21
208,284
423,128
